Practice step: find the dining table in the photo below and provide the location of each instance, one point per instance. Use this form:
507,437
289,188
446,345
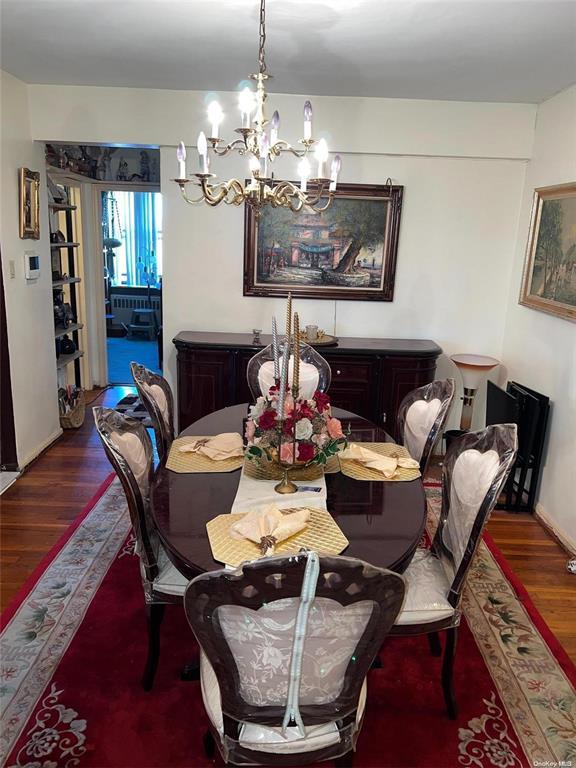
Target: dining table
382,519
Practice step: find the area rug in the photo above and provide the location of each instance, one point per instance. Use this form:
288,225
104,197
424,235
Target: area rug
73,647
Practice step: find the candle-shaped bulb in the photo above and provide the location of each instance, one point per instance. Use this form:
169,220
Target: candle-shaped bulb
254,165
307,120
321,155
274,126
181,155
246,103
202,145
334,171
304,172
296,369
215,117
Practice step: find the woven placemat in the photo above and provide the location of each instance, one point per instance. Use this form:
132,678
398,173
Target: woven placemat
269,470
322,534
197,462
358,471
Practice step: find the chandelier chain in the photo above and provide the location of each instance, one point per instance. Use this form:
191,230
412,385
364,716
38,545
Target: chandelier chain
261,59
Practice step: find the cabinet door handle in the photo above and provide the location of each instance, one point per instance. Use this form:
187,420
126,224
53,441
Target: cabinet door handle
338,372
383,418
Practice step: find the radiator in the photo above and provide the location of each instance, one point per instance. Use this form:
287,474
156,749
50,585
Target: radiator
121,306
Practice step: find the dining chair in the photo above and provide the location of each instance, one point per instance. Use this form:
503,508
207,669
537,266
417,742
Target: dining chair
283,665
129,449
421,419
156,394
474,471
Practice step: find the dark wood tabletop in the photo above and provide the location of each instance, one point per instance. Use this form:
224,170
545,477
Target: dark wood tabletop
382,520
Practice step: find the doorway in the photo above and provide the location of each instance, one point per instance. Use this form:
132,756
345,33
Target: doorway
132,245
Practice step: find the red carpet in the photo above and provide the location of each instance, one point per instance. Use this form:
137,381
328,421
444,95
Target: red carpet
74,650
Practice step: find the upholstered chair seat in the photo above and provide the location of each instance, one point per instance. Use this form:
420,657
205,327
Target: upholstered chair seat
262,738
474,472
421,419
427,590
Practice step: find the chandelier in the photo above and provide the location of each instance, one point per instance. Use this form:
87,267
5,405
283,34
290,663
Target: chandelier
259,142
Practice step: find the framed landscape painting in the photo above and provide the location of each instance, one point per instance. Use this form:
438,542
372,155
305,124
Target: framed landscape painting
549,279
346,252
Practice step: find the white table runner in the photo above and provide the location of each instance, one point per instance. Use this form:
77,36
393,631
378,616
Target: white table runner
254,493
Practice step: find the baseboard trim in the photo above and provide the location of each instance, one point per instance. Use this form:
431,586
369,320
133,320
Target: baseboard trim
565,541
23,463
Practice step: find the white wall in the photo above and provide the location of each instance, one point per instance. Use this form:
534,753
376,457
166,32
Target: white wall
539,349
29,315
462,165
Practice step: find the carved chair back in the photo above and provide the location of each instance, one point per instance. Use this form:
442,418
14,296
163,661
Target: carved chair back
421,418
474,471
155,393
129,449
245,621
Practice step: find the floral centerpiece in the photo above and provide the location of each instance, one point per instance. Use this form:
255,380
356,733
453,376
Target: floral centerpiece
282,426
304,433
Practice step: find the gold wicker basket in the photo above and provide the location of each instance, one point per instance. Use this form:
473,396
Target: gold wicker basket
75,417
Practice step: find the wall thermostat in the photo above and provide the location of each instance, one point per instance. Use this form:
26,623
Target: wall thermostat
31,265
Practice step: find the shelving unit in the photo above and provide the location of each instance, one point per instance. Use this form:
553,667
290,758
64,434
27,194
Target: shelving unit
66,269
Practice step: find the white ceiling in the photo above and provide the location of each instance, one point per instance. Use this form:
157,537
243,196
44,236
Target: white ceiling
474,50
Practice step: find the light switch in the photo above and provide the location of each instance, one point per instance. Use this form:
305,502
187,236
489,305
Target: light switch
12,269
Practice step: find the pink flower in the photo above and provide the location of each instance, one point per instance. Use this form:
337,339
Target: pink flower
334,428
288,406
250,429
287,453
320,439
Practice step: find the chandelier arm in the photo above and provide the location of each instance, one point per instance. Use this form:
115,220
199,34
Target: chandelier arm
283,146
209,195
238,145
326,206
190,200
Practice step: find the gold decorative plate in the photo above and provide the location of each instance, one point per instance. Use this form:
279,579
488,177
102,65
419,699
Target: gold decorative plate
358,471
322,535
197,462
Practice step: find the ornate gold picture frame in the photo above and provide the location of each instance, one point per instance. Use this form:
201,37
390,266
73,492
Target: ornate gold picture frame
549,278
29,188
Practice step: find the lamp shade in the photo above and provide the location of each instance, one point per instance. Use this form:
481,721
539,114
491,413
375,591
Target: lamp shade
474,368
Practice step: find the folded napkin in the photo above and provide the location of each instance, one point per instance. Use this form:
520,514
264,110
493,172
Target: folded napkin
269,526
225,446
387,465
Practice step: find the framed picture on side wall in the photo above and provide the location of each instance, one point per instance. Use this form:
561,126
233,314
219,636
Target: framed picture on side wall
549,279
345,252
29,191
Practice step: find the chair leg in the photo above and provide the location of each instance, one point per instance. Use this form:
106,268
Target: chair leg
435,644
209,744
154,614
345,761
448,672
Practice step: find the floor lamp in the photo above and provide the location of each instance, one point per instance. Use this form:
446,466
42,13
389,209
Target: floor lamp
474,370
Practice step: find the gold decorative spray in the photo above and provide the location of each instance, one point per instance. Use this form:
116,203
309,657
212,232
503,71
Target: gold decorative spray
289,318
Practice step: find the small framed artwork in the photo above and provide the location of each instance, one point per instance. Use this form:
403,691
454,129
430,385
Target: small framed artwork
347,251
29,187
549,279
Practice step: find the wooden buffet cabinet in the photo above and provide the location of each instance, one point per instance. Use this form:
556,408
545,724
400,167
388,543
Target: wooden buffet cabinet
369,376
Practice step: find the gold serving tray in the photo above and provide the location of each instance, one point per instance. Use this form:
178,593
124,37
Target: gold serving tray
358,471
322,534
197,462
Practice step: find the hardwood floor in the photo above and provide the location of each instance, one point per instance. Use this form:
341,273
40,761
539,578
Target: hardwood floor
39,507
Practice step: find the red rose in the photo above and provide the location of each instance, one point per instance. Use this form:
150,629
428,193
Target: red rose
306,451
322,401
288,426
305,412
267,420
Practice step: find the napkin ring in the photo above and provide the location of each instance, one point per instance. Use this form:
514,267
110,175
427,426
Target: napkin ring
267,542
